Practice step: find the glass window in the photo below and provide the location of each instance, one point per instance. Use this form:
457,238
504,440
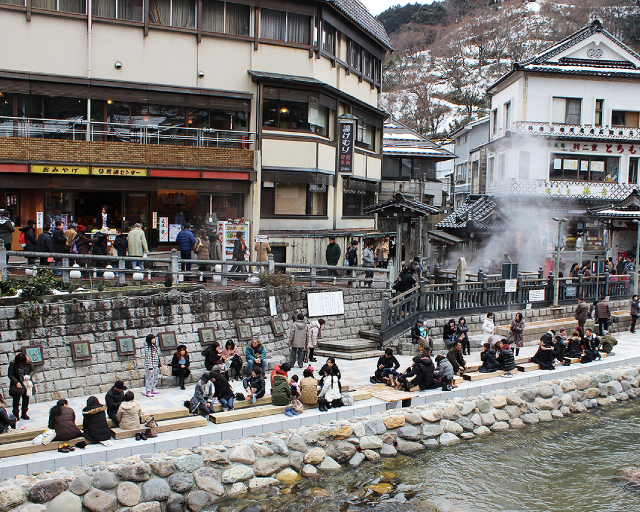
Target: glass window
583,168
273,24
366,135
507,115
191,206
354,202
566,110
390,168
44,4
298,28
183,13
368,69
297,199
328,38
289,109
623,118
213,16
633,171
160,11
13,2
599,111
490,166
494,121
104,8
237,19
355,57
502,166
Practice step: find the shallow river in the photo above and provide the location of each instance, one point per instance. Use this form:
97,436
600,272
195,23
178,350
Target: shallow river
567,465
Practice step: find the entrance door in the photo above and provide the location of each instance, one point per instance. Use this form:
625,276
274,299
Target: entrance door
89,207
136,209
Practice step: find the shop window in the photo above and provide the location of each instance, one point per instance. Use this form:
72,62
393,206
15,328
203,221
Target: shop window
633,171
328,38
566,110
355,201
583,168
624,118
289,109
226,18
599,112
181,206
366,136
293,199
285,26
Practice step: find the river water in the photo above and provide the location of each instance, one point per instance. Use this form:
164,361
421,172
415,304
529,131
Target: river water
567,465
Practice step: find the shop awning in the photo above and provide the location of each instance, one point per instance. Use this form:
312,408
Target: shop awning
443,236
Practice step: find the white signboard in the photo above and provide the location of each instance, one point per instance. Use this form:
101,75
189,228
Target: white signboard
510,285
528,306
39,220
272,306
164,229
536,295
325,304
261,239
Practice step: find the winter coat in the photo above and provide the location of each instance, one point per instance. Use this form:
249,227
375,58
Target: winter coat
415,334
635,307
428,374
29,237
309,391
203,254
333,254
280,391
330,389
489,361
382,251
239,250
59,241
14,373
113,401
488,328
227,354
591,342
602,309
447,333
368,259
352,256
129,415
405,282
175,365
45,242
250,355
559,350
151,356
137,242
185,240
387,362
120,245
298,337
462,330
456,359
64,424
70,234
608,342
414,376
94,423
582,312
83,243
201,396
575,347
211,357
517,328
445,369
506,359
5,423
6,228
100,244
256,383
215,250
263,255
222,388
329,370
544,357
313,331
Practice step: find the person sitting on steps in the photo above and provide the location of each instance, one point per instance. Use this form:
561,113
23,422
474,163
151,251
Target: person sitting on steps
387,366
429,370
231,358
462,332
591,344
505,357
308,388
575,345
113,399
454,355
330,395
7,420
445,374
94,422
130,417
449,333
62,419
254,385
222,390
180,365
544,356
202,400
330,368
256,354
489,361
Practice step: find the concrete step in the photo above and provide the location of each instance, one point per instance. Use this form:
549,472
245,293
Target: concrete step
352,345
348,355
377,325
371,334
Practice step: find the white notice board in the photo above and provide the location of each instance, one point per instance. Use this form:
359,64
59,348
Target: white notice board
510,285
536,295
325,304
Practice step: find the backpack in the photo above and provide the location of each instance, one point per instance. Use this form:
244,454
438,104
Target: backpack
74,247
22,240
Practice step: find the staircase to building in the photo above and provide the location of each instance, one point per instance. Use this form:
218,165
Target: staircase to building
366,346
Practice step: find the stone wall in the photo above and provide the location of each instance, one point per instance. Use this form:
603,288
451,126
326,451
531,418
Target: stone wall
56,324
216,475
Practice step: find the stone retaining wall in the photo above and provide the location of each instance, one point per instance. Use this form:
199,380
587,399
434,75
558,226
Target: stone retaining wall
197,479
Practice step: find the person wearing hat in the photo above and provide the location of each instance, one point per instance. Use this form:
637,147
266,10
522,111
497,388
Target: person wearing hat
29,239
113,399
180,365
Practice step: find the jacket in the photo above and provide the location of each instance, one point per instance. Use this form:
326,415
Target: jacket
608,342
137,242
59,240
185,240
559,350
591,342
113,401
14,374
329,369
222,388
368,259
488,328
462,330
582,312
333,254
70,234
203,254
44,242
382,251
120,244
99,244
506,359
309,391
263,256
107,224
602,309
94,423
201,396
65,424
447,332
445,369
239,250
352,256
387,362
280,391
5,423
575,347
151,356
83,243
6,228
250,356
517,328
175,363
256,383
544,357
313,331
331,389
489,361
215,250
634,307
129,415
415,375
29,237
428,374
456,359
211,357
298,337
415,334
405,282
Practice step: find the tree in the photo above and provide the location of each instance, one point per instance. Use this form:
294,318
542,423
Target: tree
394,17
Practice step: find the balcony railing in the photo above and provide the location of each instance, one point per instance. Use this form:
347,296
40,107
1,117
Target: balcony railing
141,133
568,189
577,131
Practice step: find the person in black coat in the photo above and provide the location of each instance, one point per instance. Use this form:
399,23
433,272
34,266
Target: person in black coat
94,421
212,356
104,219
462,333
45,244
223,391
428,371
6,421
180,365
544,356
505,356
575,346
59,240
405,282
120,243
449,333
413,376
489,361
455,358
113,398
387,365
29,239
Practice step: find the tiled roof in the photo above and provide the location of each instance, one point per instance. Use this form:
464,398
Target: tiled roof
404,202
628,208
358,13
477,212
398,140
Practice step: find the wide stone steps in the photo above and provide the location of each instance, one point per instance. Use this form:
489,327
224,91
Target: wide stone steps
371,334
357,348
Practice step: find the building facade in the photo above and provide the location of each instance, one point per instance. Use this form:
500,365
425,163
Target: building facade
468,176
174,111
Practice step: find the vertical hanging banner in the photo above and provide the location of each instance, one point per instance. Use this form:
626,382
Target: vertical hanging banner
345,163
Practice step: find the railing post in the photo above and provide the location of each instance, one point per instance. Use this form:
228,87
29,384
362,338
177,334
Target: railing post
175,266
519,291
454,294
422,297
540,273
65,272
354,283
579,292
549,285
121,274
313,276
3,263
391,276
223,279
607,291
484,290
271,267
384,319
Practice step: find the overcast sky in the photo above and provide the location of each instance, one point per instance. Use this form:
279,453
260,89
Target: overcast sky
377,6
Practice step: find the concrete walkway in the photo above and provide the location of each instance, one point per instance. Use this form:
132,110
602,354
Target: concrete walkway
354,373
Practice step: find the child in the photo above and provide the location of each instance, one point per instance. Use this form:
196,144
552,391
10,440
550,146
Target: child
295,387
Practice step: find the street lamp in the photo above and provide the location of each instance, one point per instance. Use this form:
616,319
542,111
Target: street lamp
556,283
635,274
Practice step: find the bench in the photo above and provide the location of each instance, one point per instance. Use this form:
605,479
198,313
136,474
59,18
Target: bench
481,376
163,426
26,447
528,367
533,331
269,410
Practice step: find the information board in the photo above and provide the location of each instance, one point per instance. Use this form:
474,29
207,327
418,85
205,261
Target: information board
325,304
510,285
570,292
536,295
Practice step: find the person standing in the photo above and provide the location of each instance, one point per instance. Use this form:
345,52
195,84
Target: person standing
239,252
20,370
517,330
263,249
215,248
6,230
120,243
45,244
203,248
634,312
603,314
368,260
382,253
137,245
298,341
582,312
333,255
185,240
151,365
313,333
488,328
104,219
59,244
29,239
70,234
352,254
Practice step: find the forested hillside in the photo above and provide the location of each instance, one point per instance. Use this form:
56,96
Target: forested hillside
447,53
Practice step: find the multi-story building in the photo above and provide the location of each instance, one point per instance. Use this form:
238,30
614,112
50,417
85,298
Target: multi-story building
468,176
190,111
